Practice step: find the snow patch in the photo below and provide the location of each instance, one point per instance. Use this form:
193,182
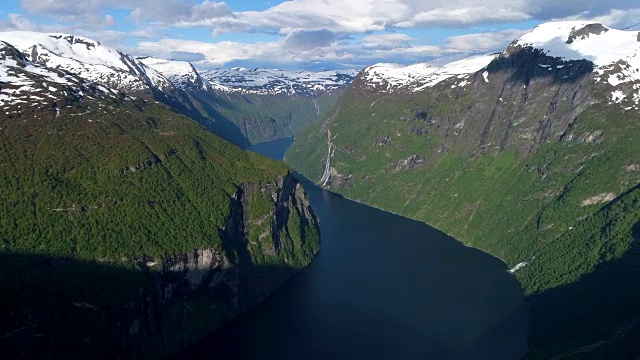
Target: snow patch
617,96
273,81
180,73
608,49
87,59
416,77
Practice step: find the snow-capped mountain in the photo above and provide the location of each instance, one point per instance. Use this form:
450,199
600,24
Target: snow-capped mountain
25,85
181,73
272,81
579,40
392,77
87,59
615,55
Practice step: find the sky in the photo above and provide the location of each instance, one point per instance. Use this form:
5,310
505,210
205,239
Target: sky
307,34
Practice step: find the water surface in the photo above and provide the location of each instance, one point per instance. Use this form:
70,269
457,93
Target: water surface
382,287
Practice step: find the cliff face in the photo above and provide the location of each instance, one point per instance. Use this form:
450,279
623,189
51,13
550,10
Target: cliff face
194,293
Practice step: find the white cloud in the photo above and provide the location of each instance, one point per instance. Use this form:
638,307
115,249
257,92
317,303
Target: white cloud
215,54
464,16
483,42
348,32
341,53
166,11
338,16
20,22
174,11
386,41
58,7
615,18
208,9
308,39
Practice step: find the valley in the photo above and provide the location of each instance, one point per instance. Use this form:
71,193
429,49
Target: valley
146,211
380,276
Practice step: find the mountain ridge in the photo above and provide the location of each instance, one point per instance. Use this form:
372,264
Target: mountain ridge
243,106
264,104
612,52
275,81
88,59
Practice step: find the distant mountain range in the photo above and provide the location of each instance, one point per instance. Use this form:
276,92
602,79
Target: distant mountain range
250,81
237,104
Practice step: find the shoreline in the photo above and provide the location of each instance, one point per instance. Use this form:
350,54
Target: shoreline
407,217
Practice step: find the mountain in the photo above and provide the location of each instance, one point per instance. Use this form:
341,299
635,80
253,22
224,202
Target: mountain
394,77
127,230
273,81
529,154
87,59
103,65
264,104
269,104
181,73
243,106
27,86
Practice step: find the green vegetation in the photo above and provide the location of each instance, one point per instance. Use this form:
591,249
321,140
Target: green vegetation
99,202
265,117
502,187
131,182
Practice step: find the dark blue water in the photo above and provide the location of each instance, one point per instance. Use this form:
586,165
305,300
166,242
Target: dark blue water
382,287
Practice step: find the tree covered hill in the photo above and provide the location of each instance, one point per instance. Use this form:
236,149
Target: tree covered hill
127,229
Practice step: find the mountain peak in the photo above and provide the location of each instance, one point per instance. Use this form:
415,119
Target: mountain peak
86,58
614,53
415,77
27,86
583,40
180,73
73,40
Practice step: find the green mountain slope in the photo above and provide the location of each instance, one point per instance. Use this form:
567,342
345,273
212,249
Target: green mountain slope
521,162
129,230
265,117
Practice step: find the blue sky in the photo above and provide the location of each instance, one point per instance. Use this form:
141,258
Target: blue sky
307,34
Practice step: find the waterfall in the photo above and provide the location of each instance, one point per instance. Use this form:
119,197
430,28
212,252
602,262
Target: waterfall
326,176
